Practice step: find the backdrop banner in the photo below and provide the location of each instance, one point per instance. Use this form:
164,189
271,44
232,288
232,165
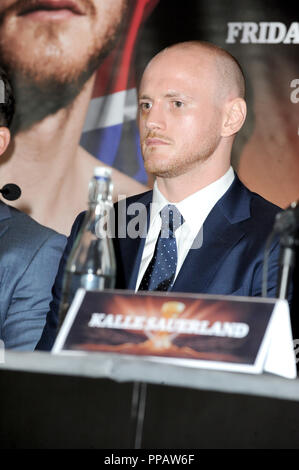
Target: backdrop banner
264,38
76,82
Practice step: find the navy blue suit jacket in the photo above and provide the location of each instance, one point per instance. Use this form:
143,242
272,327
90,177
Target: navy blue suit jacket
229,262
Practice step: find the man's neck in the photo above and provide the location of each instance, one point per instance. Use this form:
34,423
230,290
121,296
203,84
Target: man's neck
46,141
180,187
53,170
44,160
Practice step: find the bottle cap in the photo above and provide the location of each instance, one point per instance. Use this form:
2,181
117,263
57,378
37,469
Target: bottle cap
102,172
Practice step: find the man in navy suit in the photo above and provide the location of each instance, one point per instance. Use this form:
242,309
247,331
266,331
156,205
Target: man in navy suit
29,258
191,106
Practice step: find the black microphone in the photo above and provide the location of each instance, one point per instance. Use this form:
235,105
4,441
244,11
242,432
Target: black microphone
286,226
11,191
287,221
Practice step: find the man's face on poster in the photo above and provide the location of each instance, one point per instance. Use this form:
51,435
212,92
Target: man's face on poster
42,38
50,48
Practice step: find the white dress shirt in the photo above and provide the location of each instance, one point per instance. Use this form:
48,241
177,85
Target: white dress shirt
194,209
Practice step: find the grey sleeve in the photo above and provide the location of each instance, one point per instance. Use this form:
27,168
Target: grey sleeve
29,303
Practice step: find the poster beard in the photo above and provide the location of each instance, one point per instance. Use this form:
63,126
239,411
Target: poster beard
43,87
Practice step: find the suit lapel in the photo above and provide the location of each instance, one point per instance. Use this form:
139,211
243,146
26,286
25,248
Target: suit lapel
222,230
131,248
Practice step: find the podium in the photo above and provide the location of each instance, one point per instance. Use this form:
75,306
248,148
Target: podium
105,401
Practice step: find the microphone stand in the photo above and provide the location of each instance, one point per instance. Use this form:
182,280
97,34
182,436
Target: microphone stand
287,257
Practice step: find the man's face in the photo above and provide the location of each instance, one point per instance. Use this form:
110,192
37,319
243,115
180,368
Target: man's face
179,116
46,37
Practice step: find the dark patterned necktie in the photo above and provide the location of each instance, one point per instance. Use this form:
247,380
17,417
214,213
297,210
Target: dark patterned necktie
160,272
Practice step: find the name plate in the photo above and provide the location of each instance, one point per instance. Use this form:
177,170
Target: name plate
242,334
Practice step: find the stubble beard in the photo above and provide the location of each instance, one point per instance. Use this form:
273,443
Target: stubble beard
41,91
181,163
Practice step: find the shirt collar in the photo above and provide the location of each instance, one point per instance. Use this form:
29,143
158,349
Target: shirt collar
200,202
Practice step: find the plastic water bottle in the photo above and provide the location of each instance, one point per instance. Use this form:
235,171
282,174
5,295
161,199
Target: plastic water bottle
91,263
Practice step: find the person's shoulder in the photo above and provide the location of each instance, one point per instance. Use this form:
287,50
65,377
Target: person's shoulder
24,227
262,215
143,197
258,205
263,207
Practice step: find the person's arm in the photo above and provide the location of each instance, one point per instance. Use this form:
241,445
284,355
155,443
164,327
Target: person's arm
50,330
31,297
273,269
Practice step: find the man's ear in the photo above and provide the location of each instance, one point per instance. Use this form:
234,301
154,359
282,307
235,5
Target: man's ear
4,139
234,117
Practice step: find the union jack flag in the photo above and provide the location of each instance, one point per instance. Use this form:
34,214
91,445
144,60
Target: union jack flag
110,132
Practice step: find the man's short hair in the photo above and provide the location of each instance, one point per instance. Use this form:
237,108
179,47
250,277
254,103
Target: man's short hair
7,101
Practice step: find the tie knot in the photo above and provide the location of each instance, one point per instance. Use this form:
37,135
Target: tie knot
171,219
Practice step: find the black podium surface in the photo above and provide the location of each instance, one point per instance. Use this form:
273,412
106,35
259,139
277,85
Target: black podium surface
105,401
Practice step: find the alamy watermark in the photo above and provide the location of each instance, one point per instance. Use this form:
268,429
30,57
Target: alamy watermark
294,96
2,92
296,349
132,221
